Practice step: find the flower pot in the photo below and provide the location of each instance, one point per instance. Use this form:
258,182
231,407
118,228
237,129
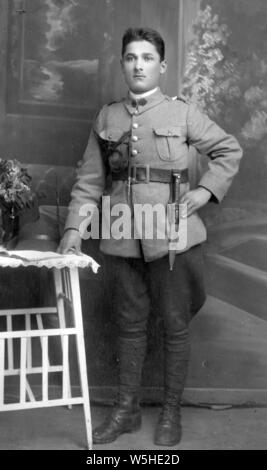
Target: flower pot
10,226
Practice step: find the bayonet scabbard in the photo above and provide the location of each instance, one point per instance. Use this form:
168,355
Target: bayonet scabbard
175,196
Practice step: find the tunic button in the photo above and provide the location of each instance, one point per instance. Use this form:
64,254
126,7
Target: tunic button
135,125
110,137
169,132
136,111
134,138
134,152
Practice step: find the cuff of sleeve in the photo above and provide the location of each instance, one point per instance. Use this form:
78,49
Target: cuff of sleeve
77,222
70,228
214,185
213,197
73,221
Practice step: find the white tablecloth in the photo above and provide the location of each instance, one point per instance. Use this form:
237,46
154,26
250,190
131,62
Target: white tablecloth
49,259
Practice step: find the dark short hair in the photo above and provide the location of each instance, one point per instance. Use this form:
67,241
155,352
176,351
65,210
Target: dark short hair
144,34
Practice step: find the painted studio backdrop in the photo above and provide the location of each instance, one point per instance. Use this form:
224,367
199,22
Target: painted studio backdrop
59,62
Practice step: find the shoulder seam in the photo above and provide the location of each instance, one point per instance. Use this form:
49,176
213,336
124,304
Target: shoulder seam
111,102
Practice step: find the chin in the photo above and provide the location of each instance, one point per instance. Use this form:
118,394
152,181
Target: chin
139,89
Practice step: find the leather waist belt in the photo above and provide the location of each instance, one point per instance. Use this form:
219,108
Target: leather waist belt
145,174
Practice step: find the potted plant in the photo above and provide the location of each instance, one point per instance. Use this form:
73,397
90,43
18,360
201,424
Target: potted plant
15,196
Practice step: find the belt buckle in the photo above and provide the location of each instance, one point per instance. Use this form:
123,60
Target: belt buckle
176,174
134,173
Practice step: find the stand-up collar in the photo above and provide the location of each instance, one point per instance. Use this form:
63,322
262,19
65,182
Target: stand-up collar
142,95
139,106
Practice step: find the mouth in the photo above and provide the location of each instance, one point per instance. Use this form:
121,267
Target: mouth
139,76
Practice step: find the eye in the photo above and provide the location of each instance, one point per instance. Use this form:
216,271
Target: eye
129,58
149,58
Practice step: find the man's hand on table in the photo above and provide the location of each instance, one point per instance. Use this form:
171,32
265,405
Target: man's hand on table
70,242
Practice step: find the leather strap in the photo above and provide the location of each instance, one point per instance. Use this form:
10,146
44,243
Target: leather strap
145,174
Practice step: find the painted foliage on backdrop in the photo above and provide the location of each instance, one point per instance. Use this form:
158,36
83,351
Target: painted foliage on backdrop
226,73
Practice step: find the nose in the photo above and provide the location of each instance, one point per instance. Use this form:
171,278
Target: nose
138,64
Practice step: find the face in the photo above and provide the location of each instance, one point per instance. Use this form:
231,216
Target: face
142,67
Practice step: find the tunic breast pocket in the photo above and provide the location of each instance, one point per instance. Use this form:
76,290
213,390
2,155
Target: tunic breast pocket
114,146
170,142
111,134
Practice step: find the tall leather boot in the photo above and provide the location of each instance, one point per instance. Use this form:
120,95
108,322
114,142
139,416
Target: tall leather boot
126,416
177,350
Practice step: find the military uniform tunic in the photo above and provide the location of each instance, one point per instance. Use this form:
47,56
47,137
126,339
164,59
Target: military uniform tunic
159,135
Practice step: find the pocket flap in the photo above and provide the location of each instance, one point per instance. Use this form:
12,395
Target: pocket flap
170,131
111,134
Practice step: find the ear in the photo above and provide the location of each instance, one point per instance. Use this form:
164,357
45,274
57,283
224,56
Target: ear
163,66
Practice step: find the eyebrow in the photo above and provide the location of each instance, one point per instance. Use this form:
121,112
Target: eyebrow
143,54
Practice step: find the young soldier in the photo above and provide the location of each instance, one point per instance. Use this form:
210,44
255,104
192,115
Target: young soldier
140,145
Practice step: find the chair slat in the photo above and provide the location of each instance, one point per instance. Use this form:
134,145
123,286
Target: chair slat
23,359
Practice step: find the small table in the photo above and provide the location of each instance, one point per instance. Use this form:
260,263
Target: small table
67,294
